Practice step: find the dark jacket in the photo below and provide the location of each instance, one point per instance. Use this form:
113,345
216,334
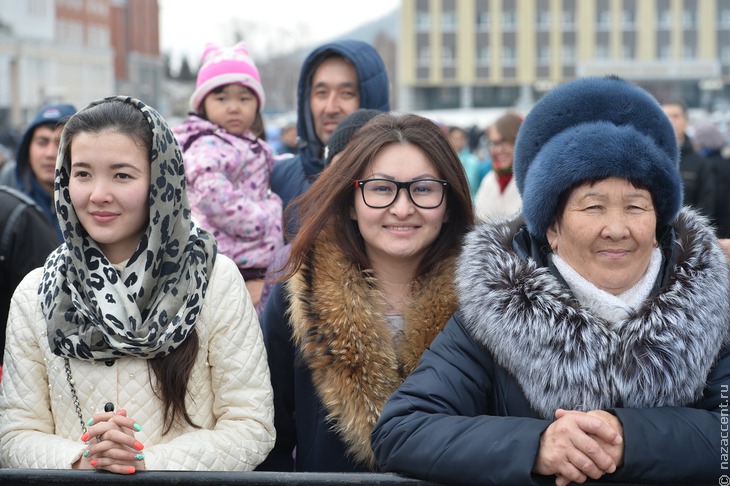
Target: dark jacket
26,239
334,361
292,176
697,179
521,346
721,175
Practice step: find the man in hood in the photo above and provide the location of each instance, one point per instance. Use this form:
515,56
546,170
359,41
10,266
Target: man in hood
335,80
36,158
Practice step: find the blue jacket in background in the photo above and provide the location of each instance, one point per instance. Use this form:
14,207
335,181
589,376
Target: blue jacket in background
292,177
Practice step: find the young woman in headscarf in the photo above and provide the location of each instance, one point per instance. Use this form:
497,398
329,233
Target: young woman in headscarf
136,346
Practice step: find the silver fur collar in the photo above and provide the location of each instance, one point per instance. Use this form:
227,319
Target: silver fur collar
565,357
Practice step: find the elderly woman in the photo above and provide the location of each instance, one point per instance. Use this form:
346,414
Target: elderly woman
591,339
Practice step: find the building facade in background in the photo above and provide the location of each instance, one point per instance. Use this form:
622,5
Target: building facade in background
492,53
75,51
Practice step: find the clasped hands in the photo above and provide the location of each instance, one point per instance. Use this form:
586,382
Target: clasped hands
580,445
111,444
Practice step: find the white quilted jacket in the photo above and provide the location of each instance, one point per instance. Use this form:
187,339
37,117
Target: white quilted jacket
229,393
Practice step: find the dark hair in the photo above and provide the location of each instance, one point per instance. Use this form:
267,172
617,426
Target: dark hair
110,116
508,125
172,373
257,127
327,203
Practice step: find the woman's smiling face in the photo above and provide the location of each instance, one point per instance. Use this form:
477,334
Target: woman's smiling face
109,188
607,233
401,230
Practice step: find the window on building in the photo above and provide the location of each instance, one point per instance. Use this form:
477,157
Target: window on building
664,19
603,21
543,55
423,22
448,21
543,20
484,56
664,52
627,51
72,4
70,32
723,19
725,54
424,57
688,52
483,21
37,8
447,57
689,19
603,52
568,54
98,7
509,20
509,56
568,20
628,20
98,36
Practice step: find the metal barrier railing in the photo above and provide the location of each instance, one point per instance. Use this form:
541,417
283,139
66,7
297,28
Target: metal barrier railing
184,478
188,478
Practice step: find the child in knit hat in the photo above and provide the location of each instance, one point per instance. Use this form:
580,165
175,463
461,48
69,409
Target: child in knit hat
228,166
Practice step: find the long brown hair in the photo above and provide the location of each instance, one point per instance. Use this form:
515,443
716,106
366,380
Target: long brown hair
327,203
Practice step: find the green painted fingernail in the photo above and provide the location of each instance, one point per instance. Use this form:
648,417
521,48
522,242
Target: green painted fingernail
137,427
86,453
91,421
139,457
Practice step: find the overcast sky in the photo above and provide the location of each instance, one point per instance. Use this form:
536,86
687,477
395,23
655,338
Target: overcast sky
269,26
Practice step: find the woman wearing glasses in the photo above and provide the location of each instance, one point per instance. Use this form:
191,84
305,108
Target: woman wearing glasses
497,195
368,286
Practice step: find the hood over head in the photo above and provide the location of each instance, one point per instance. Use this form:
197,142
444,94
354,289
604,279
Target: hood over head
372,80
51,114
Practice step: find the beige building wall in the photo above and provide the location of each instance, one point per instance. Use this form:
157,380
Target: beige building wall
644,63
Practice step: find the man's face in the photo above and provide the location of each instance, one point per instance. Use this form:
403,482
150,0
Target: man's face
679,120
334,95
42,154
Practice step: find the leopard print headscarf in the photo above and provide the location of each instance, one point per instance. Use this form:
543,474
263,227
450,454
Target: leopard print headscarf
93,311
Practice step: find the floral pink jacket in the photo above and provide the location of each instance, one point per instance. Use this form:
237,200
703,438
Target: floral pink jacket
229,188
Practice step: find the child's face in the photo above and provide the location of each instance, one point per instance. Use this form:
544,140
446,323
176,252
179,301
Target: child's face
233,107
109,189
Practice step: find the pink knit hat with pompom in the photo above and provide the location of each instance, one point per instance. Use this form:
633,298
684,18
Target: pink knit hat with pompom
221,66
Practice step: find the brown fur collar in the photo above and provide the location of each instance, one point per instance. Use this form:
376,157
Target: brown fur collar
338,325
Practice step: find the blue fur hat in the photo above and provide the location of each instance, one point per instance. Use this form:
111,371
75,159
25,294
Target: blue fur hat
593,129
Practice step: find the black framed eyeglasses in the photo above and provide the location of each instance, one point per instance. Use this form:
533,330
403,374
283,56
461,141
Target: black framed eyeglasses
381,193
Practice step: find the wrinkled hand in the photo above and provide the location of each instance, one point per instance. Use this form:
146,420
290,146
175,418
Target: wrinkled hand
116,449
615,450
571,448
